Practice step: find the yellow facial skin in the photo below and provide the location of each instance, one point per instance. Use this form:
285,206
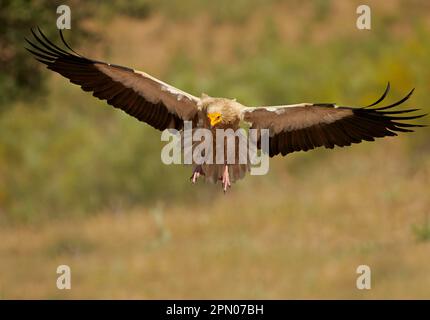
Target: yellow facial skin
215,118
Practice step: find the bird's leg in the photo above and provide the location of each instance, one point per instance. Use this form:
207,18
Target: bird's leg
225,179
196,173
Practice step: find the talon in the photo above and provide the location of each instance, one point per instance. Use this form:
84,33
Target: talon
196,174
225,179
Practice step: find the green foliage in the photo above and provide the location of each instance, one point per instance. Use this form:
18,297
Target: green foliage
68,154
422,231
58,162
20,78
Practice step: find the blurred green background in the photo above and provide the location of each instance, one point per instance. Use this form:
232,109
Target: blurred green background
82,184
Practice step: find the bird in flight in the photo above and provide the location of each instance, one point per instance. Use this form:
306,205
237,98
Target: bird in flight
297,127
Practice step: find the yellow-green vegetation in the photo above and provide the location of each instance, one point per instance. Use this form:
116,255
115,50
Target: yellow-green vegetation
82,184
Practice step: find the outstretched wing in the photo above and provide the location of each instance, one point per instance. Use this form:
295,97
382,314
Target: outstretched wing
137,93
310,125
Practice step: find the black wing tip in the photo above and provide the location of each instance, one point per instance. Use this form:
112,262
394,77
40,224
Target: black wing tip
387,89
49,51
392,119
384,95
66,44
392,123
405,98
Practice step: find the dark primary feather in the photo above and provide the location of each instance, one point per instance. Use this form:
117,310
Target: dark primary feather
387,89
129,92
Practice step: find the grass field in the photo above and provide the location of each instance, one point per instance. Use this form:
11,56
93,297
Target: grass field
299,235
82,185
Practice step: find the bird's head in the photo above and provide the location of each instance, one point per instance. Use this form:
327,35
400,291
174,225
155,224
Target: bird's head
220,111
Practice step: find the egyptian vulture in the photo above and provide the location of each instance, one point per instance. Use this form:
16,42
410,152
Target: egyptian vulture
291,128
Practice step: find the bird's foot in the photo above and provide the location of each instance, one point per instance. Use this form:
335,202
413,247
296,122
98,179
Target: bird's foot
195,176
197,172
225,179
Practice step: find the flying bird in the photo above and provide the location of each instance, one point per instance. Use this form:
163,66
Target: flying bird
296,127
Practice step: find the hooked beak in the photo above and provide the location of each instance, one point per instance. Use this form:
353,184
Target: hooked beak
214,118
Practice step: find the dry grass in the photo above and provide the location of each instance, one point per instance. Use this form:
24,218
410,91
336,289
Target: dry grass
303,239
